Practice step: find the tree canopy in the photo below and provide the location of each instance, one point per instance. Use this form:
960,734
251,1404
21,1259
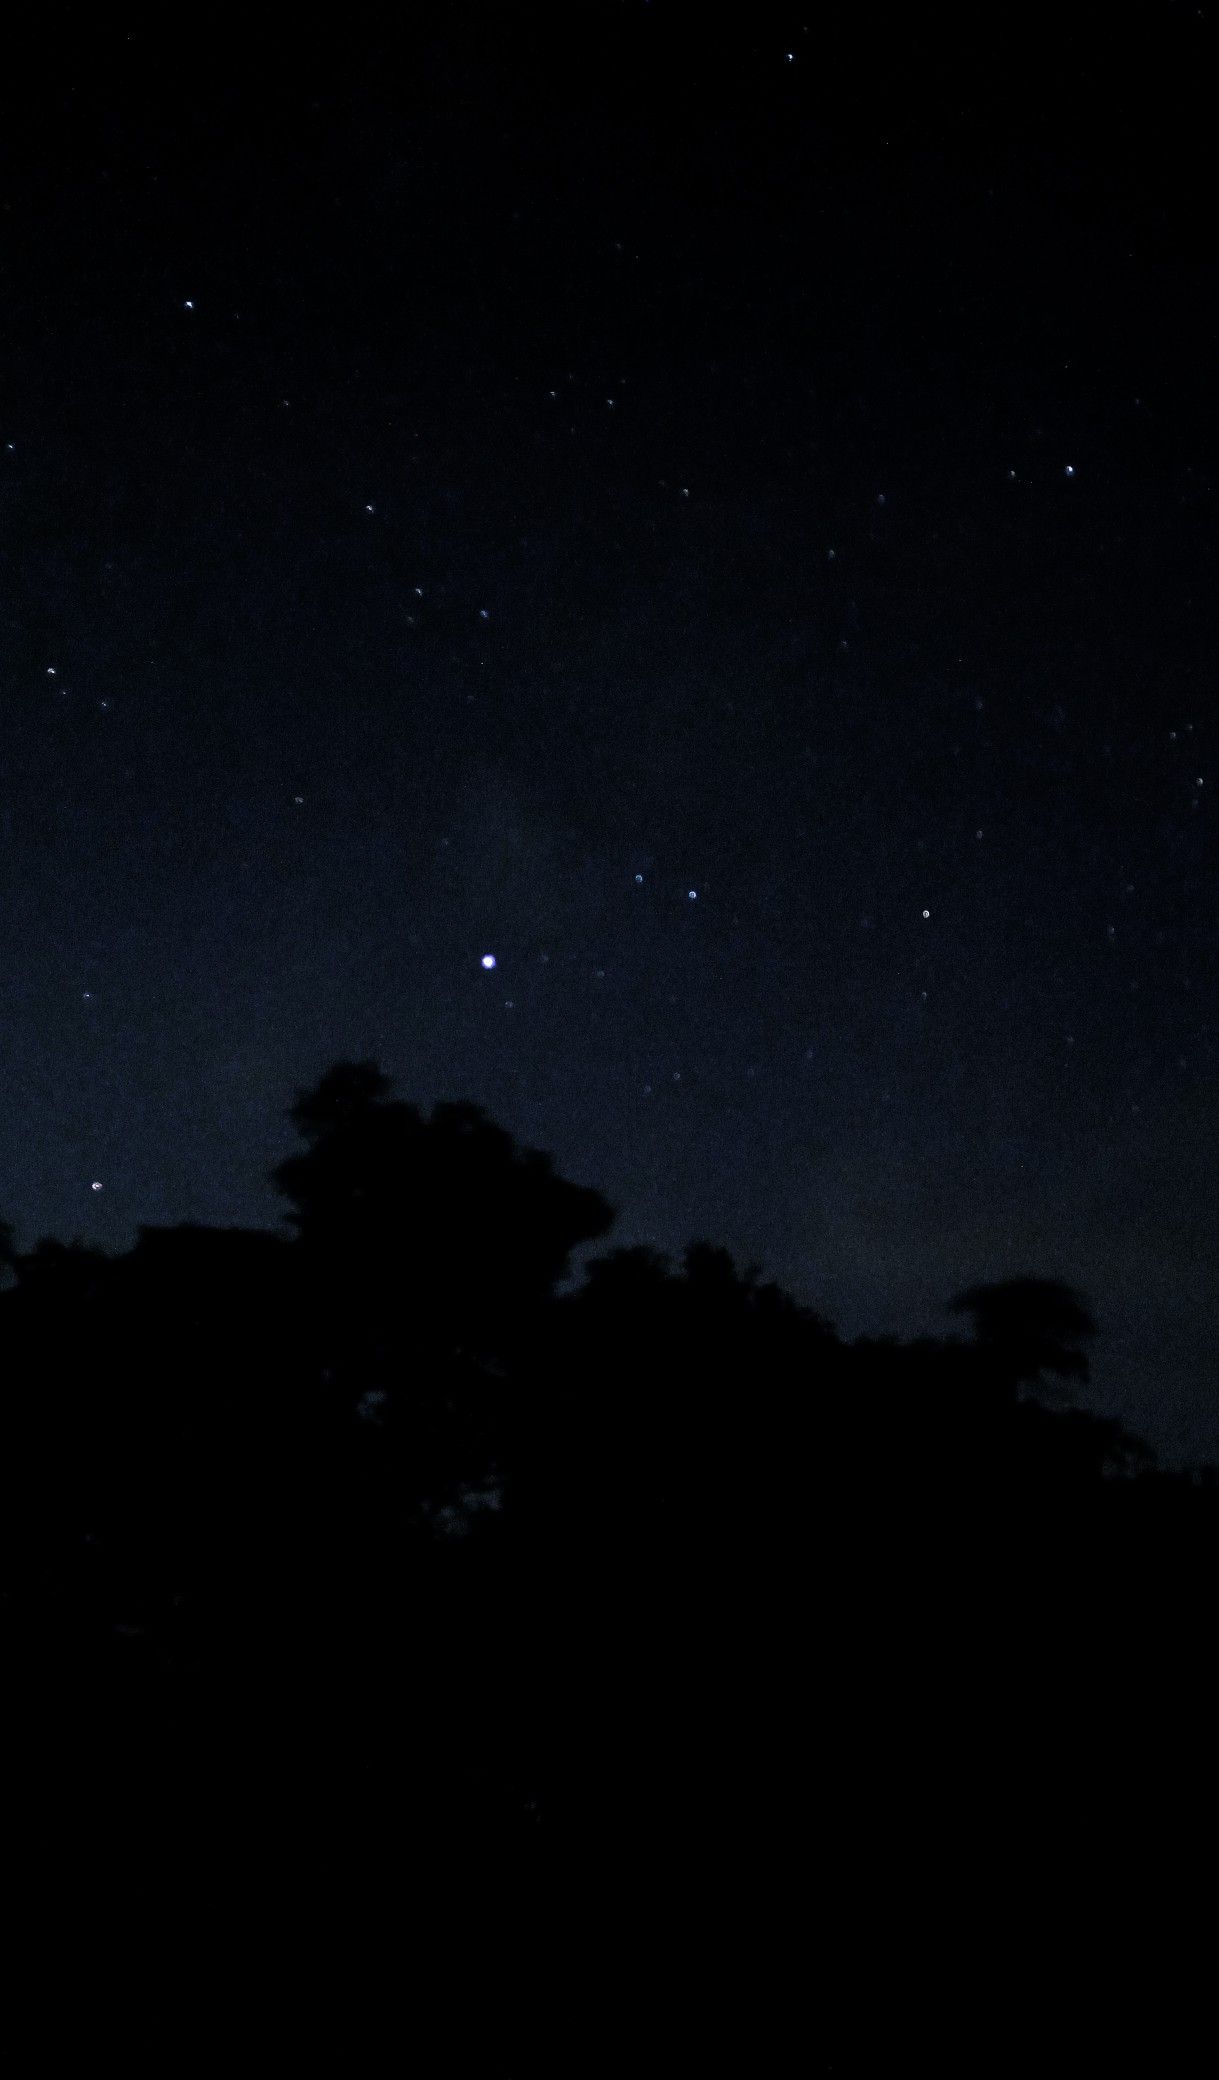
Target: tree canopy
381,1543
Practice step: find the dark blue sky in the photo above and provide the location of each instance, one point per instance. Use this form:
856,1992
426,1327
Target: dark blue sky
464,494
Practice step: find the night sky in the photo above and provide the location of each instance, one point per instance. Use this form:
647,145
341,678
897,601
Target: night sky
719,522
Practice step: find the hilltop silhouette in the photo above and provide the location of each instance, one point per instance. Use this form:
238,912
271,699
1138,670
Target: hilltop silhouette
370,1585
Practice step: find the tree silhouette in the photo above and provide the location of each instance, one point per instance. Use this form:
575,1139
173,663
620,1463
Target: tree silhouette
345,1093
1029,1326
369,1552
460,1225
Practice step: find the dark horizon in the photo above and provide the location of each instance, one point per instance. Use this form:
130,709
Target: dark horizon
264,1214
400,1648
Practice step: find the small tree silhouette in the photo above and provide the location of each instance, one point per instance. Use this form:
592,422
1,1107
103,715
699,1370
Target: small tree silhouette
1029,1326
342,1095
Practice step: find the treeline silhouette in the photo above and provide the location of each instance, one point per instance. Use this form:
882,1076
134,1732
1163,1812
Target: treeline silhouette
661,1673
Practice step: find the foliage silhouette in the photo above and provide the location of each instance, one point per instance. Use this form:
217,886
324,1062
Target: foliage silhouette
1029,1326
369,1560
